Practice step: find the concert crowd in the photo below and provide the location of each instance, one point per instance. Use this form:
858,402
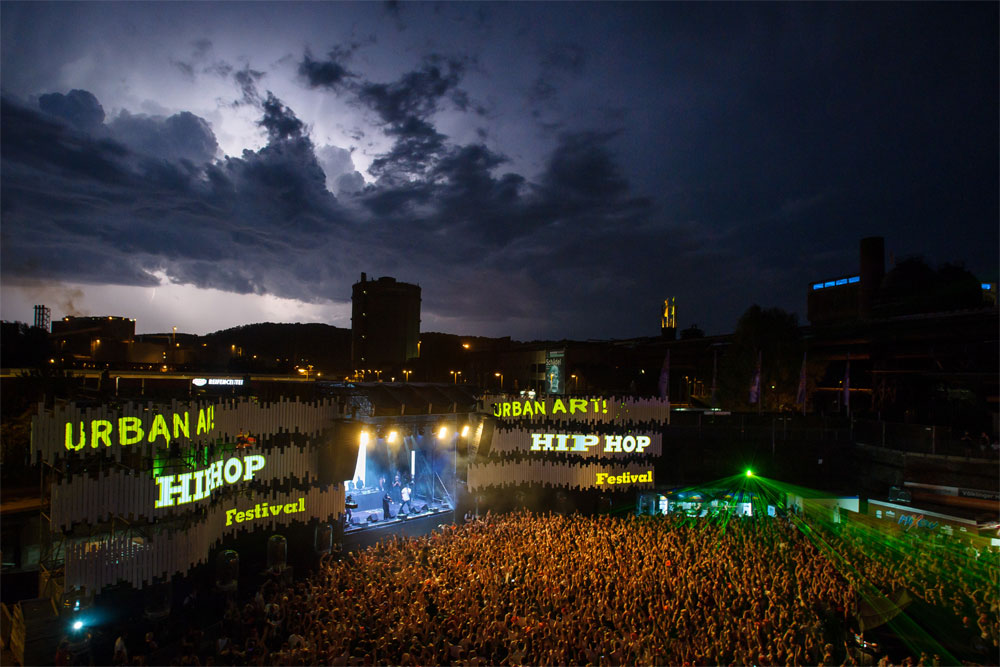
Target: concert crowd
529,589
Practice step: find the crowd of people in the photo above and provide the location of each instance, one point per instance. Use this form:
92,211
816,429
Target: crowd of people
552,589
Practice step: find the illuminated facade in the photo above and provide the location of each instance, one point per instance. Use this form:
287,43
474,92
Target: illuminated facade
385,323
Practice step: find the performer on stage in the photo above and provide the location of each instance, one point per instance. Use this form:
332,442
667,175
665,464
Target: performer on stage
397,487
386,499
405,494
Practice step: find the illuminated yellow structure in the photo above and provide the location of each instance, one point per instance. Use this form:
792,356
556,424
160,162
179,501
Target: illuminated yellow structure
668,321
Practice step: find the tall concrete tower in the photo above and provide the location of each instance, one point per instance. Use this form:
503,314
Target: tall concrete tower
385,323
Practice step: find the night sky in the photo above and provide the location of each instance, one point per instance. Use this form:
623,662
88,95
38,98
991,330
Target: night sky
540,170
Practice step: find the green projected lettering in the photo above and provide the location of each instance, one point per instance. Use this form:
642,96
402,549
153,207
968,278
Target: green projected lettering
127,431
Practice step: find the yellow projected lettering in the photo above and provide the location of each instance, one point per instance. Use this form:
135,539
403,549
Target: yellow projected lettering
625,478
529,408
133,430
100,430
130,431
264,510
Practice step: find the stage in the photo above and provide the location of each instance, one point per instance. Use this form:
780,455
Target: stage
370,512
365,534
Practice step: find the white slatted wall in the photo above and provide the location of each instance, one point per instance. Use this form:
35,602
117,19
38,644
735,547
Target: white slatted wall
569,475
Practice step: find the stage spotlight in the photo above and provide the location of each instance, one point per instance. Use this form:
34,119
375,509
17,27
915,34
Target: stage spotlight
443,433
749,473
364,438
465,430
77,625
392,436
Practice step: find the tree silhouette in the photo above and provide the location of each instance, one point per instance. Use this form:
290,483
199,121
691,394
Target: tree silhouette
773,334
914,287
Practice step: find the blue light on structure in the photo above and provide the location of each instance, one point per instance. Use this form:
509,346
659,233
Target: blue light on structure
839,281
986,286
77,625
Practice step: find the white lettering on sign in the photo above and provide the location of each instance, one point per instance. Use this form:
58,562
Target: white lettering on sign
176,489
613,444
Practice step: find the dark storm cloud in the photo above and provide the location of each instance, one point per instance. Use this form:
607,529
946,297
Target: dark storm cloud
581,168
331,74
404,108
417,144
417,94
721,156
265,222
182,136
114,214
79,107
280,121
247,80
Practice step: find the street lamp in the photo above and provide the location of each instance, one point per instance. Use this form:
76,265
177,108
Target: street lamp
455,374
407,374
575,382
499,375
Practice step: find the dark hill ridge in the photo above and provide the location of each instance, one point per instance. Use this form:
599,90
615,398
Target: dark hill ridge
322,345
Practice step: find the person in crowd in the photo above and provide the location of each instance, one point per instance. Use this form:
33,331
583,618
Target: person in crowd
120,656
